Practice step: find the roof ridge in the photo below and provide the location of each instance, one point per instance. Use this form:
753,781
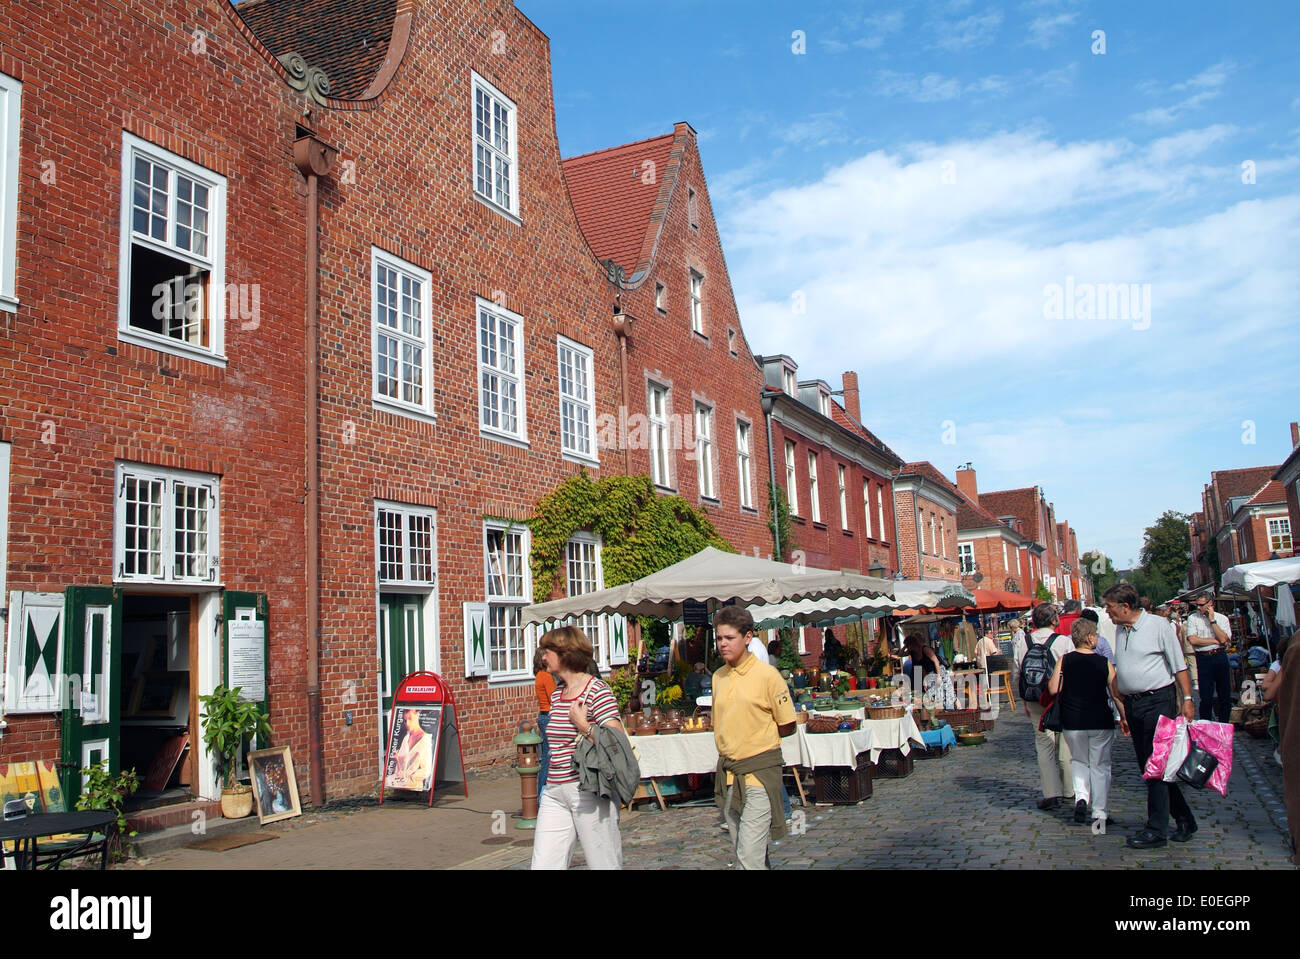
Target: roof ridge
609,151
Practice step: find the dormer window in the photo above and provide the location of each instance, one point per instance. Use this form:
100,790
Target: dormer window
788,383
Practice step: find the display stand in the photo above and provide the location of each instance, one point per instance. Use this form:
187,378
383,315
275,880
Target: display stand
423,738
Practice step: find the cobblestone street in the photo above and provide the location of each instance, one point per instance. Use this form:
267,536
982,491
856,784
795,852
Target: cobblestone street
975,809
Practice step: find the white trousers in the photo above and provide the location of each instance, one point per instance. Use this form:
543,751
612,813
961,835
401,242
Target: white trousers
1053,759
564,813
750,830
1090,765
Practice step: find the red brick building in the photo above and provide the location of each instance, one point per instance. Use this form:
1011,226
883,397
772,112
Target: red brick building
1231,530
987,547
925,507
1288,474
689,413
152,431
1028,513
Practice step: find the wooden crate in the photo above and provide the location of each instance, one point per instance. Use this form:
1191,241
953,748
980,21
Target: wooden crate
838,785
893,765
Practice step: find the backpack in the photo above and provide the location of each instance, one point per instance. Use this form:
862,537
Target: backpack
1036,669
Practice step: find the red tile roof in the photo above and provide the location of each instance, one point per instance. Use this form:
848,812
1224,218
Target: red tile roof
1240,482
613,197
1273,492
840,416
348,39
1020,503
970,515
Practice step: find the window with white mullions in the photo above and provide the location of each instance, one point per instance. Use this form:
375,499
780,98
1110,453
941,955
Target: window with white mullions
10,129
501,401
659,435
744,465
494,146
844,502
814,500
404,544
508,591
584,575
697,302
173,248
866,507
166,527
577,402
791,493
402,334
966,554
1279,534
704,449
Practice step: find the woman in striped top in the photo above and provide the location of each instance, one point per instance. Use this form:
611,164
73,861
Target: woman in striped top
580,703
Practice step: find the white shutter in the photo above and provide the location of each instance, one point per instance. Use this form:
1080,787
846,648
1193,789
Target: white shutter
619,630
34,660
476,639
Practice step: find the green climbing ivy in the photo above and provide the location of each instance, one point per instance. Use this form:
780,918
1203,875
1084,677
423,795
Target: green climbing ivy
778,521
641,532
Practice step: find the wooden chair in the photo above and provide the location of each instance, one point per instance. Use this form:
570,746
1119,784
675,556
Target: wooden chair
1001,688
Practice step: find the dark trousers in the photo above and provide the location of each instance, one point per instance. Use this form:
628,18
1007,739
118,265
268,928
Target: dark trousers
1212,675
542,720
1162,798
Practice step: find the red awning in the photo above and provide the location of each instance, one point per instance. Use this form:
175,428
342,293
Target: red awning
1000,601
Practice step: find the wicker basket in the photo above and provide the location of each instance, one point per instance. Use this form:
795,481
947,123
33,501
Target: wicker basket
1258,728
886,712
829,724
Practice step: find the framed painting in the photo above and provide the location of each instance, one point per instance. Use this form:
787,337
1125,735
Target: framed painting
275,789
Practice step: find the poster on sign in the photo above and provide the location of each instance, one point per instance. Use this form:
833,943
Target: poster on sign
424,741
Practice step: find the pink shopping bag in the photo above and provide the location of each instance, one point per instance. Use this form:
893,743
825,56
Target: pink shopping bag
1214,738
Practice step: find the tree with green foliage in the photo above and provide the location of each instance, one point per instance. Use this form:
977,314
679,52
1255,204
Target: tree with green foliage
1166,550
641,531
1042,593
1101,570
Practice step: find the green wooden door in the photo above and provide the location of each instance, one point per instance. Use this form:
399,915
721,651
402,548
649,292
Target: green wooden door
401,645
92,674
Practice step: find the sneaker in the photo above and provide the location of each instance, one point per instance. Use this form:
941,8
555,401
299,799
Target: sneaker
1081,811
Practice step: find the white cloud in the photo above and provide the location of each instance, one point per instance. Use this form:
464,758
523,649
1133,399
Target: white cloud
1208,83
1046,30
969,33
935,291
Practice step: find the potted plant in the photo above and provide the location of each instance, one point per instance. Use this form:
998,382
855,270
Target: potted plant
228,723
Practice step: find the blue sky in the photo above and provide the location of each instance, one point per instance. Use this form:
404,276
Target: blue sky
931,180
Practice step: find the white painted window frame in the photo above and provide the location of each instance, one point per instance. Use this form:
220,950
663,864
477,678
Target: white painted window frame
661,473
697,301
404,269
406,512
167,536
744,462
866,506
704,451
1283,521
791,481
11,96
524,671
844,499
966,556
880,512
575,348
215,261
502,315
511,209
814,500
597,633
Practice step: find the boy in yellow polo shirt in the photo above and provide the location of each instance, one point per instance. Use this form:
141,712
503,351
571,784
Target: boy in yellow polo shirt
751,712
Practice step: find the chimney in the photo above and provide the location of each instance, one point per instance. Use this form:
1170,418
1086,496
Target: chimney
1295,435
854,408
966,483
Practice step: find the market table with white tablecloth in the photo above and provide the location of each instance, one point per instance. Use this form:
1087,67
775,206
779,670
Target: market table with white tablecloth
683,753
876,735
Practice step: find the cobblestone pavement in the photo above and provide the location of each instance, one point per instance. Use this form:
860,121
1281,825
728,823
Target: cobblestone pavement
976,809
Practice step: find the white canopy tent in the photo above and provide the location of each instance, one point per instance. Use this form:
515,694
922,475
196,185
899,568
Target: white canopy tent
1271,572
715,579
836,611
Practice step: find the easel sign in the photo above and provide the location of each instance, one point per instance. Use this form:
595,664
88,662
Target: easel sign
419,755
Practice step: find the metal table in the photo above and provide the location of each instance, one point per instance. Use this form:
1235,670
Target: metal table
29,830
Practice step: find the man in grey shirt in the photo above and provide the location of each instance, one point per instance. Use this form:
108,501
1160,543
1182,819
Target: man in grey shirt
1151,675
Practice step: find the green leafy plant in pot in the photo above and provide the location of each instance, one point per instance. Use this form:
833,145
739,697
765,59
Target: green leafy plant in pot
228,723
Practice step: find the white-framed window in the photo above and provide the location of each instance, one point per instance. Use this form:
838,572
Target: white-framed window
4,526
496,174
880,506
404,544
584,574
814,501
920,530
660,455
401,334
866,506
731,341
966,553
934,542
744,465
508,588
166,526
943,537
1006,563
577,400
501,402
704,449
661,298
171,271
844,499
823,404
692,207
697,302
1279,534
11,95
791,493
788,383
